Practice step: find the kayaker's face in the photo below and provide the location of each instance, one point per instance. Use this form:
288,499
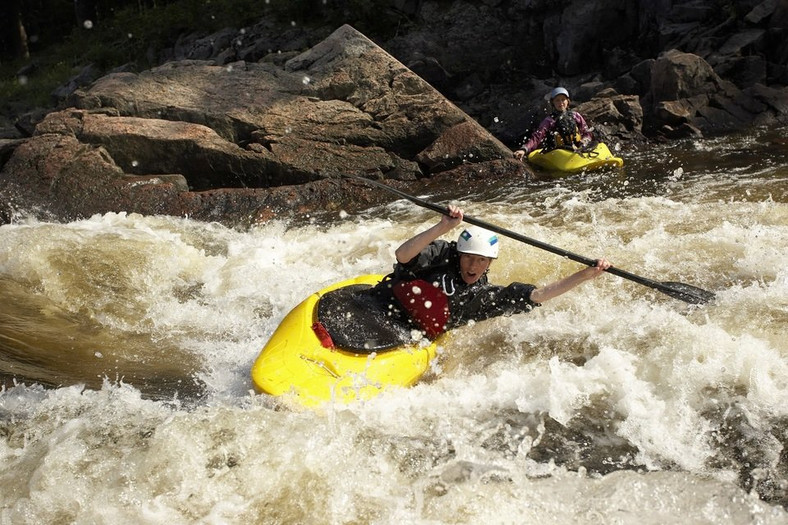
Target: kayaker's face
472,267
561,102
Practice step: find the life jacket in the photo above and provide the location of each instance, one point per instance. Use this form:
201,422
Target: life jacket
565,133
442,296
427,305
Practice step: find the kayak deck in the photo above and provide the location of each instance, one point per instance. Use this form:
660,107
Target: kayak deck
575,161
294,361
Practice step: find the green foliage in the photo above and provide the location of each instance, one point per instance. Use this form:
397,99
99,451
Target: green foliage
23,92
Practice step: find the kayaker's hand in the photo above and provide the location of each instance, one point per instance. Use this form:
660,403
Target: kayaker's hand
519,154
454,218
592,272
545,293
413,246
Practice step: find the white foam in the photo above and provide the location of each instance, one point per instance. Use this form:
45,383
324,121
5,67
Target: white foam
668,379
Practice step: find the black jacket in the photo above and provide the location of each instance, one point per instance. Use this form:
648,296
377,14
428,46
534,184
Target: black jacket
439,264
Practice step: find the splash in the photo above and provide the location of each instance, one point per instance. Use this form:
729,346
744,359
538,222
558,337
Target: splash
126,344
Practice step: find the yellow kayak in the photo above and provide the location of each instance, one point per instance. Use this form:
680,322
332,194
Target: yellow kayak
575,161
295,360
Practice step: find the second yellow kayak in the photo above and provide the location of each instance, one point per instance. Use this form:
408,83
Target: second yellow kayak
575,161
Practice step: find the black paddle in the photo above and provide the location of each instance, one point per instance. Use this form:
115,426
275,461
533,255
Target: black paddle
683,292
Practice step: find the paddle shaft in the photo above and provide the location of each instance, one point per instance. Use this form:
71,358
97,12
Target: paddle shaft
527,240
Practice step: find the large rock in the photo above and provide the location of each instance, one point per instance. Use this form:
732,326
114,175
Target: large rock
246,142
611,113
520,50
687,93
275,117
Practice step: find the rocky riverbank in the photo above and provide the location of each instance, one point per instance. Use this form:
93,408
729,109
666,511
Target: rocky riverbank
244,125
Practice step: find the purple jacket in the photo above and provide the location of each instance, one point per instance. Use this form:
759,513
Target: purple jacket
547,126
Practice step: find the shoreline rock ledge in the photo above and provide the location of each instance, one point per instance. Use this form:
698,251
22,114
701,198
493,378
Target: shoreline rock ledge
246,142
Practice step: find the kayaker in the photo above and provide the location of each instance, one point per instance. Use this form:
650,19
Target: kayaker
440,285
563,128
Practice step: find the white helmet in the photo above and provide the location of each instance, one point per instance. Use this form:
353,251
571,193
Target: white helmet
478,241
558,91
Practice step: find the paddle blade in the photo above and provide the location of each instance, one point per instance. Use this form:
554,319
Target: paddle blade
686,292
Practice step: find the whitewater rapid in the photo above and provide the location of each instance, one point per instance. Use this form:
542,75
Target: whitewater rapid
126,344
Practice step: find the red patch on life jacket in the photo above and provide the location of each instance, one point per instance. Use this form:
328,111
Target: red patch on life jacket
323,335
426,304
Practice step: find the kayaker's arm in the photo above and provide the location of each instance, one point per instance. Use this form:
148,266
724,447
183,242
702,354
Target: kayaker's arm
413,246
583,129
536,139
561,286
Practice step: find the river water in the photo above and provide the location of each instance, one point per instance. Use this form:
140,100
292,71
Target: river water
126,344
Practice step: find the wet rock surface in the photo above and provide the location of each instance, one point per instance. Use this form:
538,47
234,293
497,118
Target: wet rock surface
244,125
246,142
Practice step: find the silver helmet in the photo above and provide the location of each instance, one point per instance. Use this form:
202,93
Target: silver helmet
478,241
559,91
